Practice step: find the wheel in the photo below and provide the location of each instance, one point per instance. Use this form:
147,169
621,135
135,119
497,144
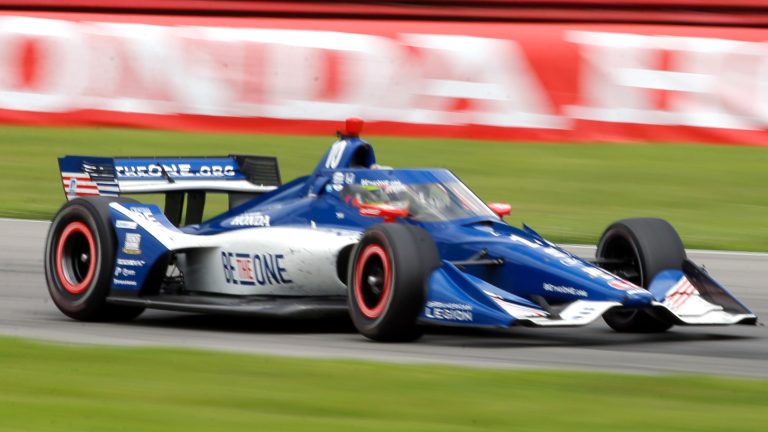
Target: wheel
387,281
79,258
637,250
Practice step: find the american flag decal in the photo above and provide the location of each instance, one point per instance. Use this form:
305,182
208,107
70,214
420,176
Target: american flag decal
680,294
84,184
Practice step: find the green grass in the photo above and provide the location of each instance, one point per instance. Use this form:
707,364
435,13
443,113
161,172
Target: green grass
717,196
69,388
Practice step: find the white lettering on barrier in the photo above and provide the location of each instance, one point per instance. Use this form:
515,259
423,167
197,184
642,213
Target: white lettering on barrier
624,76
42,64
492,75
282,74
59,66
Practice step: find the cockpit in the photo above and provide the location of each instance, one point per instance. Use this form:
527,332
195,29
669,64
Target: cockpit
425,201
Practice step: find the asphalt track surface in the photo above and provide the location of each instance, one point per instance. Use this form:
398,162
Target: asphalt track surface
27,311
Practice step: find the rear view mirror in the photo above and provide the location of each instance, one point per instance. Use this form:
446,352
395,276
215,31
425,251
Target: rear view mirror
501,209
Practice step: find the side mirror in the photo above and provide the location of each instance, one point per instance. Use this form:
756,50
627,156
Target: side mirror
388,212
501,209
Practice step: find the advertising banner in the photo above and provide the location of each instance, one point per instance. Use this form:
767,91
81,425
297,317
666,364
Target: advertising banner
509,81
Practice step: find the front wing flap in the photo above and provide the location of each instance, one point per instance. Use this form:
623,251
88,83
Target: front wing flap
693,297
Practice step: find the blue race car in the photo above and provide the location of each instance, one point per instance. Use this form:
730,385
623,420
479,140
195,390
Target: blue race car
395,248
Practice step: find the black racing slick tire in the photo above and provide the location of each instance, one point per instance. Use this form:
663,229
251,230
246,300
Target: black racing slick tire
387,281
80,252
637,250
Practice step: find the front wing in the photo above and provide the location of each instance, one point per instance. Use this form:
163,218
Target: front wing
688,297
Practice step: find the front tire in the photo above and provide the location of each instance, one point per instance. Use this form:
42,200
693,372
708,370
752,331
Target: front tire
79,258
637,250
387,281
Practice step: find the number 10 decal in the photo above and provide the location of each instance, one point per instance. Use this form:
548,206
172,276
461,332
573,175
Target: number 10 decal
334,154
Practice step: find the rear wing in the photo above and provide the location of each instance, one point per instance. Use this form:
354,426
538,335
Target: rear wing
240,176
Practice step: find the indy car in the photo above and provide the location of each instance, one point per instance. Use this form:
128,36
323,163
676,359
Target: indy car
396,249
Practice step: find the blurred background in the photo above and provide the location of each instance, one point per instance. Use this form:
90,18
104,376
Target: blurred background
578,112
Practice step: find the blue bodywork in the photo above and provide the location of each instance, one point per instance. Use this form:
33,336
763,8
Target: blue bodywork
491,274
526,266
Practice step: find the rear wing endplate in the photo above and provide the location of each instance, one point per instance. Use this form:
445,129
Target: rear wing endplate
240,176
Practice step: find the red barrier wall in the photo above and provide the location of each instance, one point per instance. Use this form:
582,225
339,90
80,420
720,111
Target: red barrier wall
558,82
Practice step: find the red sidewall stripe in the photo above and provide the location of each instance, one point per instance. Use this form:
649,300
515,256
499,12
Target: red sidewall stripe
368,252
74,287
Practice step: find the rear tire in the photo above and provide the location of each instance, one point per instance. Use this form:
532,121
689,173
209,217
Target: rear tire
80,254
387,281
645,246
